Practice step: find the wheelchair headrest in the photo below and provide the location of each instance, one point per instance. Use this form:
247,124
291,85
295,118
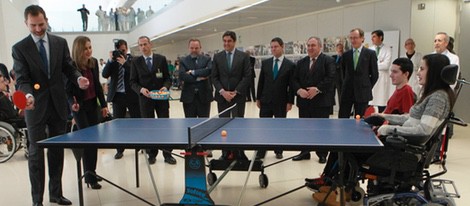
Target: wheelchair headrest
449,74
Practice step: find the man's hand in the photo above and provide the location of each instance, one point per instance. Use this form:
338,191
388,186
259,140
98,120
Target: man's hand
83,83
121,60
302,93
258,104
144,91
288,107
104,112
30,103
75,105
228,96
312,92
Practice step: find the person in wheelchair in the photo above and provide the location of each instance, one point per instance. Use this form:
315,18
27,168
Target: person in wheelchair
430,111
8,113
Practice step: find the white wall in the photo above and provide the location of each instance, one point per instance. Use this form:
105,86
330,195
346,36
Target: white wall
12,27
385,15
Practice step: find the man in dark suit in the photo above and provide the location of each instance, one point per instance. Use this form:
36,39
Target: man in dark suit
360,74
40,61
195,70
275,94
250,90
119,90
231,75
150,72
314,85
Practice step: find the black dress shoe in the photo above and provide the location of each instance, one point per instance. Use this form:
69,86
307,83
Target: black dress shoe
94,186
302,156
322,160
279,156
118,155
60,201
152,160
170,160
37,204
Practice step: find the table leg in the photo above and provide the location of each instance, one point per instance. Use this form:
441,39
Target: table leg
137,182
247,177
78,154
152,178
341,177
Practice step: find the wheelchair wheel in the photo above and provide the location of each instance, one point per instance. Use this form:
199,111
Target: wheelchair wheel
8,142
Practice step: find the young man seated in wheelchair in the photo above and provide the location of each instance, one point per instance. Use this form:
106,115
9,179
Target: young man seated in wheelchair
424,119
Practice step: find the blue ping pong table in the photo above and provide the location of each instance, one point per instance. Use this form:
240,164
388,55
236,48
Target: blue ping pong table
197,135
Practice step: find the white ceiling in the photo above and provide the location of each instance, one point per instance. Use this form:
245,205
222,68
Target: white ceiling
264,12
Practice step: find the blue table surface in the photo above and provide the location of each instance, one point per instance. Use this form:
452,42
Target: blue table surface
246,133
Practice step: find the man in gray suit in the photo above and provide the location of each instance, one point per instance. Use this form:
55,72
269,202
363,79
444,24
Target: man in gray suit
231,75
195,70
40,61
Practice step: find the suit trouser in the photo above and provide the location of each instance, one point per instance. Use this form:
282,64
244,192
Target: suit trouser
197,108
120,105
315,112
238,111
148,107
346,105
55,156
269,110
87,116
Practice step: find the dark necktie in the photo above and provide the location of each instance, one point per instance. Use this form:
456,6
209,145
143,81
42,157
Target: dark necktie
229,60
195,62
120,84
356,58
275,69
312,64
43,54
149,63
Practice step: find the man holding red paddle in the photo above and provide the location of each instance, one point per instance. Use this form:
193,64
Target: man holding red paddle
41,60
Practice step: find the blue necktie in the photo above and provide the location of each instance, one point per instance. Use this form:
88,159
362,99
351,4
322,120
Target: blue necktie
275,69
229,60
120,83
43,54
149,64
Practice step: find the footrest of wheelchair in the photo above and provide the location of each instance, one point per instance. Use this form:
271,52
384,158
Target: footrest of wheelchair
177,204
440,188
241,165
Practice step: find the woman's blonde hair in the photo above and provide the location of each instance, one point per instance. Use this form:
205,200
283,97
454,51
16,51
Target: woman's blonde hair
77,53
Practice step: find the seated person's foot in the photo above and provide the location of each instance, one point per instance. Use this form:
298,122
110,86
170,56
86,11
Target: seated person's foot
170,160
209,153
314,184
118,155
302,156
152,160
322,160
279,156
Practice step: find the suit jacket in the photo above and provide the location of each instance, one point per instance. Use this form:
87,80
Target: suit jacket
111,69
29,71
202,68
322,77
79,94
358,83
235,79
276,91
142,77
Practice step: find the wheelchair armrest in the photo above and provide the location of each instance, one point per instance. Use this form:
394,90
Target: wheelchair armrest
457,121
396,142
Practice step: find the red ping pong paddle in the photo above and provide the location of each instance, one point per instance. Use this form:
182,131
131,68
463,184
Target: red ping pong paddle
369,111
19,99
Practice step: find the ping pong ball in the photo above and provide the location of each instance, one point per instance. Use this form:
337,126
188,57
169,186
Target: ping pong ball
37,86
358,116
223,133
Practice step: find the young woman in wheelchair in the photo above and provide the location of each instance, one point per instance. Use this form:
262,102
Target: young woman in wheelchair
433,106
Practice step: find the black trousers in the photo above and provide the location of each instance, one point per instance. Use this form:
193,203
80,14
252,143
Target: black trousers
122,103
197,108
315,112
148,108
238,111
269,110
55,156
87,116
346,106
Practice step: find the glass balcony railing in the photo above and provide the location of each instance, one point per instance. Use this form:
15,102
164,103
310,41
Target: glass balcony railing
86,15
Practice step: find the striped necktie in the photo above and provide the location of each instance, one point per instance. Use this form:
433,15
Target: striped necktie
43,54
120,84
149,63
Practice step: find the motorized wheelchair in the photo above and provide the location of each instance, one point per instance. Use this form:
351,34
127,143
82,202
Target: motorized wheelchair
12,139
399,174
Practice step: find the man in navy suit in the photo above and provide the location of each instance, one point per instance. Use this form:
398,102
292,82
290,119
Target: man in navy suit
195,70
41,60
360,74
119,91
275,93
231,75
314,85
150,72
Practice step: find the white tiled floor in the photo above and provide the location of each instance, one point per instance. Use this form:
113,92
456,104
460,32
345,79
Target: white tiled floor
15,188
